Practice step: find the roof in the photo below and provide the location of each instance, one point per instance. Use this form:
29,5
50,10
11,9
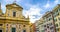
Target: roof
14,4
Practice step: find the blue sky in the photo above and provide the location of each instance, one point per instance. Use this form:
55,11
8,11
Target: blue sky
32,8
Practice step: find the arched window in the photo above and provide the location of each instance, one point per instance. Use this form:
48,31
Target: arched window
14,14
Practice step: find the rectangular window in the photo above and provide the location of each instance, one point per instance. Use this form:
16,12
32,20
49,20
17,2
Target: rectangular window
14,14
56,14
51,28
56,11
55,19
59,18
50,24
44,25
43,31
59,9
56,25
59,23
0,30
13,29
50,19
24,30
57,29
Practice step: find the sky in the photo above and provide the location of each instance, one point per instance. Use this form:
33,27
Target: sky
35,9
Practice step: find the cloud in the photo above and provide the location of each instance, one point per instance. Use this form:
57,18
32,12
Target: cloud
56,1
3,8
33,10
47,5
11,1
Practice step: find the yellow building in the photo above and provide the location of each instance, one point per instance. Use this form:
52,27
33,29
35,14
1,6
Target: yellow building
41,25
13,20
50,21
31,26
56,14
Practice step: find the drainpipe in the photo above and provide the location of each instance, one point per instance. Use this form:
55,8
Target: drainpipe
53,22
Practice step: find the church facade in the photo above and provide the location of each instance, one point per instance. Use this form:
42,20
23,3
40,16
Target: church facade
13,20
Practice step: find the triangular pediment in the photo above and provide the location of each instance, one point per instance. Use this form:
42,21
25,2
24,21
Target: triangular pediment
14,5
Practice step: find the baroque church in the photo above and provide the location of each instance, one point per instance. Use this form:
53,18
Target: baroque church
13,20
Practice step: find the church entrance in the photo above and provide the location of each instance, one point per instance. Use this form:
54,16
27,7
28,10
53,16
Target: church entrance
13,29
0,30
